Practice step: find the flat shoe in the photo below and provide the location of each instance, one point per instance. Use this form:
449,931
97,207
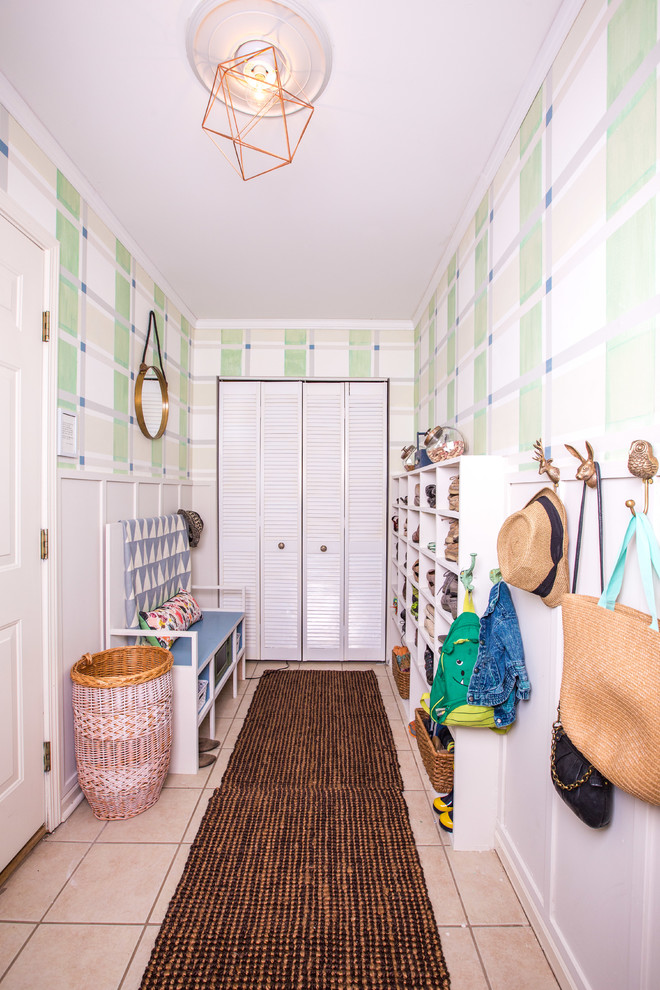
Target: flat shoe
206,759
205,744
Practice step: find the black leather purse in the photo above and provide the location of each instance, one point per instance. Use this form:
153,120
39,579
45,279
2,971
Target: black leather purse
586,792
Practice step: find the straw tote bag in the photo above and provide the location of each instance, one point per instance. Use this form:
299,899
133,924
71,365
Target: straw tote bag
581,787
610,688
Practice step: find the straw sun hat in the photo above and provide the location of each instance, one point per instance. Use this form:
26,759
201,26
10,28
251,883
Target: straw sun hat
532,548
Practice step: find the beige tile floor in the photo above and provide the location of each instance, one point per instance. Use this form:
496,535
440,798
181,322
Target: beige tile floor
82,912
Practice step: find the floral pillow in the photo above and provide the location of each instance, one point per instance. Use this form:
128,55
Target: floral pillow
178,613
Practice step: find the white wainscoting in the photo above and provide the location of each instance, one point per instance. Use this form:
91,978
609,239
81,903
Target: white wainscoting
592,896
86,503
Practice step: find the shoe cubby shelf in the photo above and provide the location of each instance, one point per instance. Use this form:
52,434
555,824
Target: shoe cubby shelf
479,516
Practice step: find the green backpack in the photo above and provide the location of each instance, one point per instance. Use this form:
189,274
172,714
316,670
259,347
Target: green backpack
448,702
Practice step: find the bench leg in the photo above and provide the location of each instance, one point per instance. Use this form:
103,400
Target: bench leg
212,721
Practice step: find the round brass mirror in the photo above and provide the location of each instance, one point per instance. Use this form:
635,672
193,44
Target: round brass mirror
152,405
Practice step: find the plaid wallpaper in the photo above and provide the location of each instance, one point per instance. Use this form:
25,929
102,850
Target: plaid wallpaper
545,320
313,353
104,302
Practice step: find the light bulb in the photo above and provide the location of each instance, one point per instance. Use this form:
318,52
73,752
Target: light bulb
261,78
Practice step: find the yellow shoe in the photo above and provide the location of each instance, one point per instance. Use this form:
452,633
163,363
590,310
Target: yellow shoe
444,803
446,820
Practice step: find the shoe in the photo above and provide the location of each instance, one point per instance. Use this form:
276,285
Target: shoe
206,759
446,739
446,821
444,803
204,744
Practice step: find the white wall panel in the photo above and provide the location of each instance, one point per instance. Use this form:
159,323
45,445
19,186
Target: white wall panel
81,592
365,530
171,501
202,499
148,500
587,891
120,500
238,499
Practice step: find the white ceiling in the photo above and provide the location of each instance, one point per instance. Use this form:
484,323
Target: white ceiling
419,94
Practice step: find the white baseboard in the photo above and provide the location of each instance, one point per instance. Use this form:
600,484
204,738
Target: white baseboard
70,801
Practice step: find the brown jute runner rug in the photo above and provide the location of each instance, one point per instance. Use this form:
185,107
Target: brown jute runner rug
304,873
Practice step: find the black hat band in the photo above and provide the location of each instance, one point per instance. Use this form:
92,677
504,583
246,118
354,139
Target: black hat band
556,545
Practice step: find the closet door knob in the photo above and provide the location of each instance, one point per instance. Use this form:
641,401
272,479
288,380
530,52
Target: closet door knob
281,546
323,548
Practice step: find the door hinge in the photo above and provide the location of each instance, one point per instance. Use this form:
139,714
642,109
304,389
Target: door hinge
44,544
47,757
45,326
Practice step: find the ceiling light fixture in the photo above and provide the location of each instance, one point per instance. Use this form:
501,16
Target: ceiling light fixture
263,62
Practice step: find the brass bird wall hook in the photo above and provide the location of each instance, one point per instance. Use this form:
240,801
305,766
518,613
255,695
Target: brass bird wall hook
545,464
643,464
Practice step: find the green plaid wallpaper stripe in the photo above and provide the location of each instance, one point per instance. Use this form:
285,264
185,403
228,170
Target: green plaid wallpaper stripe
546,317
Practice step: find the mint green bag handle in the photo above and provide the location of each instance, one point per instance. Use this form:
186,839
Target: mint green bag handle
648,553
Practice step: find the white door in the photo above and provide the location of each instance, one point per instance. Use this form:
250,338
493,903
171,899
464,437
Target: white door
22,791
323,487
281,449
302,488
365,530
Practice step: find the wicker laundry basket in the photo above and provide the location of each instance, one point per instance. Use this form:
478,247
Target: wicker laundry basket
122,711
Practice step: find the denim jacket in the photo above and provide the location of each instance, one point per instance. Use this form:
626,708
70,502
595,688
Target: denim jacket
500,676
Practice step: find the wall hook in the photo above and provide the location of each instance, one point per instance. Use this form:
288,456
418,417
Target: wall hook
643,464
587,469
466,576
545,464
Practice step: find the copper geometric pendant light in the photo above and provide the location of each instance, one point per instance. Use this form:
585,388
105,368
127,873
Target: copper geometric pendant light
263,62
266,139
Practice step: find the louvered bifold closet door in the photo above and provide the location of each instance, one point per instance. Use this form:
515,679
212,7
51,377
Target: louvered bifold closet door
365,532
238,500
323,486
281,451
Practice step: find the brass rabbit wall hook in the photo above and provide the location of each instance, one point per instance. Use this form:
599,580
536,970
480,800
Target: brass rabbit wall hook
545,464
642,464
587,469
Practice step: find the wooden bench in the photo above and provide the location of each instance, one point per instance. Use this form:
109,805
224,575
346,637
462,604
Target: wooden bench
147,561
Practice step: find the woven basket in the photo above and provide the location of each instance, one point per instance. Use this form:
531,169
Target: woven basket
439,764
401,677
122,711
